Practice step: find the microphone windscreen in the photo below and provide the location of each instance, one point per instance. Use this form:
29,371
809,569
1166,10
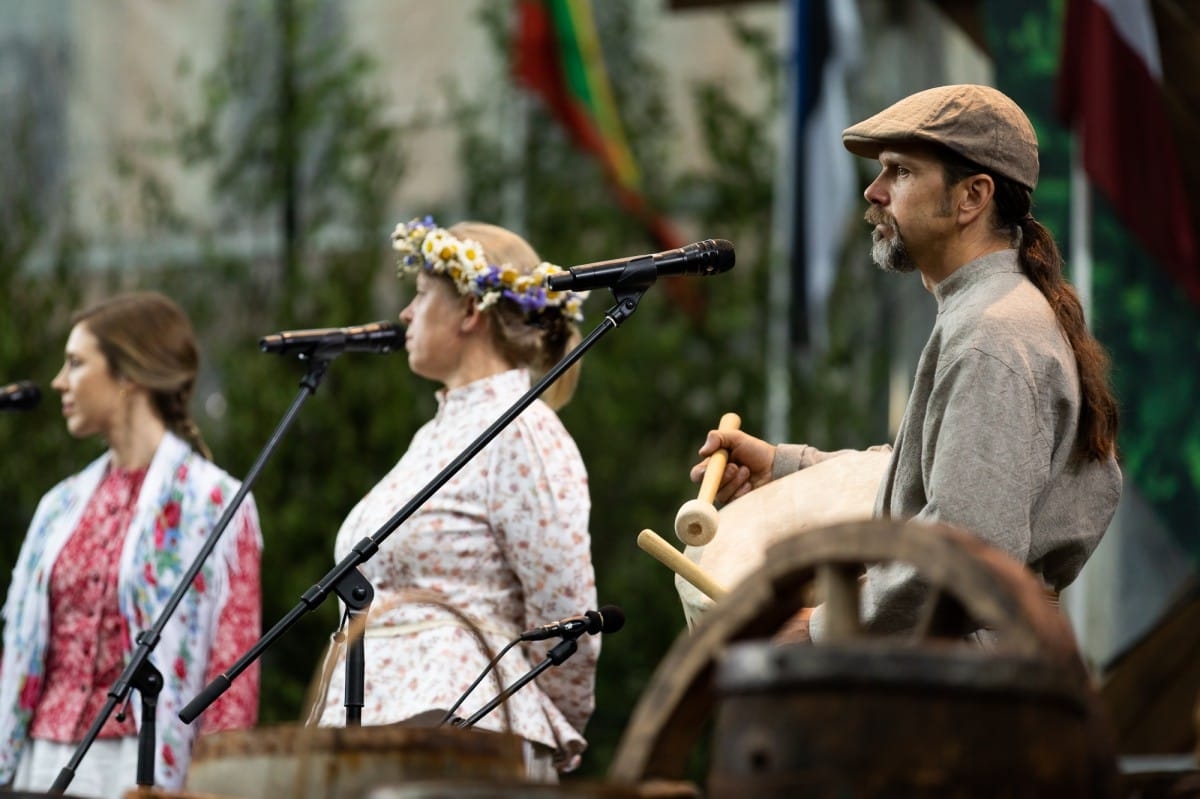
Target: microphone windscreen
21,396
724,258
612,619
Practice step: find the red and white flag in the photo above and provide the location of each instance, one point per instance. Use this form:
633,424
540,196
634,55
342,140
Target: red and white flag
1127,72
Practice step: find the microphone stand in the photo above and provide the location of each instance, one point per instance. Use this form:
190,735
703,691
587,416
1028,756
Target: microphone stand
639,274
555,657
140,673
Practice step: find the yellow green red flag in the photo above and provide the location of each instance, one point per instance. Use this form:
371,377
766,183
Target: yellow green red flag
559,57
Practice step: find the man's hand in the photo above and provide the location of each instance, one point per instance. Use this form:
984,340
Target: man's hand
749,466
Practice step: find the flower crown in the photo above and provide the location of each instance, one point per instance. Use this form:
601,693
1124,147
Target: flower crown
424,245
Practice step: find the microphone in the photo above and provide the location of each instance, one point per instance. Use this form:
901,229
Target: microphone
20,396
381,337
609,619
703,258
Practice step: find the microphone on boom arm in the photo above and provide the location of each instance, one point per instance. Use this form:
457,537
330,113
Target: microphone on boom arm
703,258
379,337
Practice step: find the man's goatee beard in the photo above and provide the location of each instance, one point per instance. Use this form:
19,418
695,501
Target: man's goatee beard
889,254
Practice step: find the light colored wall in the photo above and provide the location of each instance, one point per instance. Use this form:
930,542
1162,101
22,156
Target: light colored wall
421,49
125,57
126,54
696,46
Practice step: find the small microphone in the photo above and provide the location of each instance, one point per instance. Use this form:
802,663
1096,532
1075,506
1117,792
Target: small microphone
381,337
609,619
703,258
20,396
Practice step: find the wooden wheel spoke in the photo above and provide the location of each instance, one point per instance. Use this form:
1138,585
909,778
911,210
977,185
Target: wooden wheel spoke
837,586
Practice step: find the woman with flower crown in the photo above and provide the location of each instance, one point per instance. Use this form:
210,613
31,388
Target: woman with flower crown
505,542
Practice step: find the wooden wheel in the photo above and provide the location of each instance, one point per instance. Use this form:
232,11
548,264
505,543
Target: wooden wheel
972,583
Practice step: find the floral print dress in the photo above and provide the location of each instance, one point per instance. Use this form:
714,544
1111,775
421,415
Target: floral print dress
506,542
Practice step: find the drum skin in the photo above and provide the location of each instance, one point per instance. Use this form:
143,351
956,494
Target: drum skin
840,489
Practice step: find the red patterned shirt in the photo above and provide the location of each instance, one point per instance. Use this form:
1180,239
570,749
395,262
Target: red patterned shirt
91,640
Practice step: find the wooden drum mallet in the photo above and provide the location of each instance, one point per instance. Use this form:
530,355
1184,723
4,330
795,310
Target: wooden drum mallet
697,519
653,544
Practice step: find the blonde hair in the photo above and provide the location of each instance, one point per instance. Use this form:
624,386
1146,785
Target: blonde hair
147,338
535,344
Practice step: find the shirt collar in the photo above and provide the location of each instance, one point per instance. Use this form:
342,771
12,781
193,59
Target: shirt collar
975,272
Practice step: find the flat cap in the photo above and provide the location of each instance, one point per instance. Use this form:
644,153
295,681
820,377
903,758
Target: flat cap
979,123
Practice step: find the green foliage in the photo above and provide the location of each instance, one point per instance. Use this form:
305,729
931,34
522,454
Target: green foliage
38,451
1153,335
40,284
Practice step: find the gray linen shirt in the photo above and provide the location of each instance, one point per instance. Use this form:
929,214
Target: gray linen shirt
987,440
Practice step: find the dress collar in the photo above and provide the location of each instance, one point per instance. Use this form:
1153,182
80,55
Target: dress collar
504,386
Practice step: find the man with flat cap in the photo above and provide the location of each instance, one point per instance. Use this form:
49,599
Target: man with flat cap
1010,429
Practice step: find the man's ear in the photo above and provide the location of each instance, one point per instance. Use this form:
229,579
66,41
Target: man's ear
975,195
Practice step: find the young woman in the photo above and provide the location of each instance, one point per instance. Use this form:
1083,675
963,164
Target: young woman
106,549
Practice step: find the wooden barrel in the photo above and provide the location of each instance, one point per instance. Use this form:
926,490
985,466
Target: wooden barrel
475,789
869,719
334,762
971,586
142,792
